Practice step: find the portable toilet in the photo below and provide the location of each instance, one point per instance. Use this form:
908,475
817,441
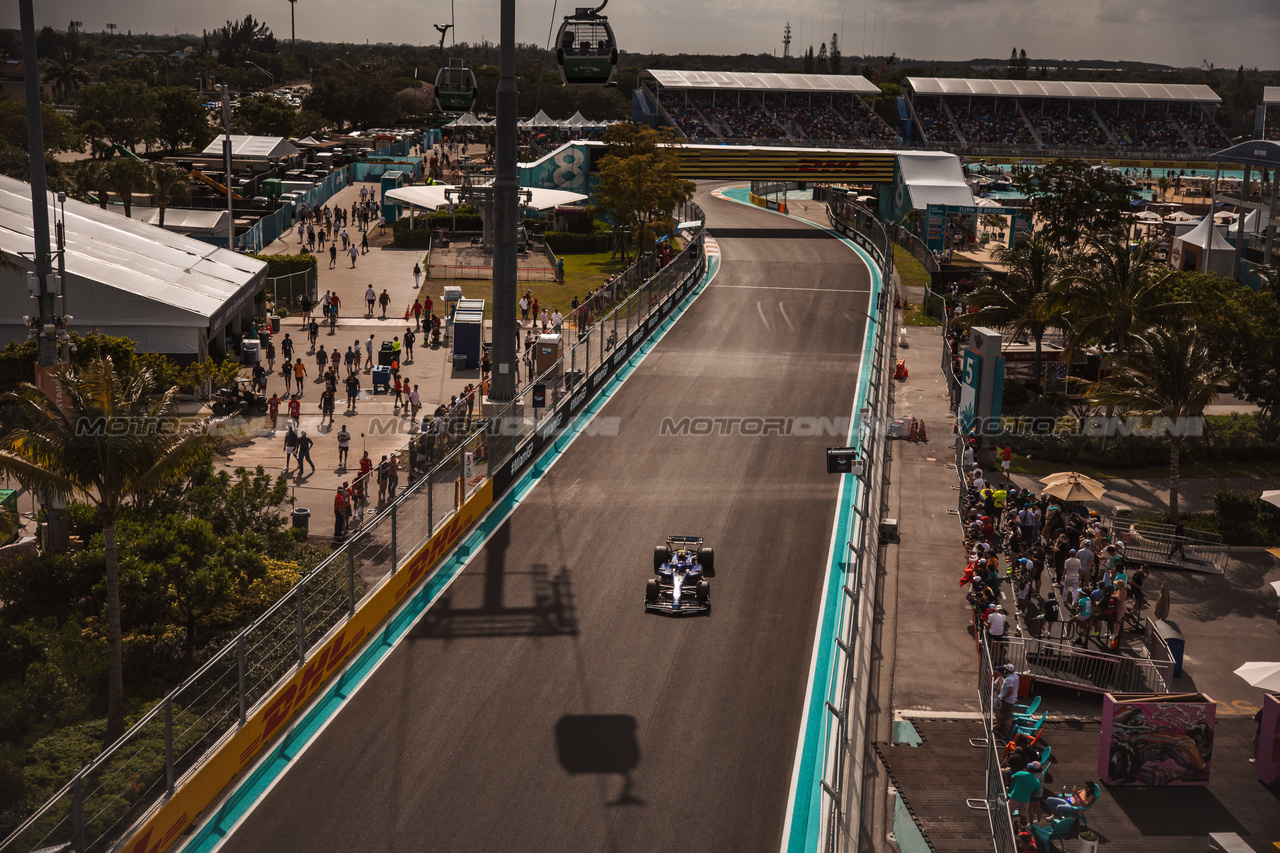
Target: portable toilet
391,181
468,333
548,353
272,187
452,296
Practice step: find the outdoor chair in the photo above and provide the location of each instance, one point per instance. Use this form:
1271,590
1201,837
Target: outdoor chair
1055,831
1029,725
1028,709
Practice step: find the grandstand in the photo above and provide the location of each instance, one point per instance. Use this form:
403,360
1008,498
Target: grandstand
791,109
1029,116
1271,113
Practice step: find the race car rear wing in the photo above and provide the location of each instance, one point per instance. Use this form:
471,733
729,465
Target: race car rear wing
688,543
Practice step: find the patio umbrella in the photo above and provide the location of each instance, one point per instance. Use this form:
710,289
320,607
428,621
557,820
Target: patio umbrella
1063,476
1161,610
1264,674
1074,489
1272,497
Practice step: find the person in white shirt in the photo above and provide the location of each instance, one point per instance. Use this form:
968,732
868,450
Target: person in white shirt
370,297
556,319
1071,578
368,353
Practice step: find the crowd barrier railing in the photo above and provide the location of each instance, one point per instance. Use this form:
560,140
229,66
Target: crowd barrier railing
845,731
147,787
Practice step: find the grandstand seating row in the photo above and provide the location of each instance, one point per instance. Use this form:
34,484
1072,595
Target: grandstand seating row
769,116
1061,123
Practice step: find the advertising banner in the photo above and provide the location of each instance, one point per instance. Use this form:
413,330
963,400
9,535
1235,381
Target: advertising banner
1153,740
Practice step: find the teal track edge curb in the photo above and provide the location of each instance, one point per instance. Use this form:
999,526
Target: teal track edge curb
803,819
269,768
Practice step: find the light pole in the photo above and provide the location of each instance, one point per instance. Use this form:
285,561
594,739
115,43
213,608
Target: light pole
271,78
505,188
293,35
226,159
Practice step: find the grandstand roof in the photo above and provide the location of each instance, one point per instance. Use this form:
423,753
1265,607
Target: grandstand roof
1271,94
1062,89
740,81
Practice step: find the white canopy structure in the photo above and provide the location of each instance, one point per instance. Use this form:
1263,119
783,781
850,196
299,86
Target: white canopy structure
933,177
960,86
577,120
542,120
1203,249
182,220
749,82
433,196
169,293
253,147
466,120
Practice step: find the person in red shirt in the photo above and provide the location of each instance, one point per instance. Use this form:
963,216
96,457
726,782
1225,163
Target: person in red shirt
398,388
417,313
1006,459
339,513
273,409
295,410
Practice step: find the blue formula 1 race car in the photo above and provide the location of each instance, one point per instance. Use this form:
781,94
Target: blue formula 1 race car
680,586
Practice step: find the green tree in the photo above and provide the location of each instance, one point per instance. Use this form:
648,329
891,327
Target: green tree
1170,373
92,182
836,65
127,176
125,109
1112,294
1025,302
114,436
266,115
181,119
60,133
65,73
639,181
240,40
168,183
1071,200
820,62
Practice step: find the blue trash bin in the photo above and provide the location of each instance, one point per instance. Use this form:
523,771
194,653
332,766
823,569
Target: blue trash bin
1172,636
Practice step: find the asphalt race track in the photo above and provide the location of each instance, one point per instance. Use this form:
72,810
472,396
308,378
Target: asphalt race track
540,708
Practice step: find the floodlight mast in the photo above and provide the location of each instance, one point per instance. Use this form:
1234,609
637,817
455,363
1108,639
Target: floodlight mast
505,188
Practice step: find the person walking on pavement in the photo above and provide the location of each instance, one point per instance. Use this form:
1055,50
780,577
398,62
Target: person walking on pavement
290,447
368,352
326,405
384,300
417,275
409,338
286,350
417,315
364,243
353,392
415,403
370,297
304,452
352,252
273,410
271,355
299,372
333,255
398,388
313,332
295,412
344,446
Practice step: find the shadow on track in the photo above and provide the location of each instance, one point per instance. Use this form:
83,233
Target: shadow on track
600,743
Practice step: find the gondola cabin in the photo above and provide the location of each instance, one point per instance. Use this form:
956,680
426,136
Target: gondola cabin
587,53
456,87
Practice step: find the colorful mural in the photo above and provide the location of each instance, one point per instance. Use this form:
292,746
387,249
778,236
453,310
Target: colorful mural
1147,740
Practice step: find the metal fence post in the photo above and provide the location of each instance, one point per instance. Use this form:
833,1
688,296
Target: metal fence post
244,700
168,746
431,469
395,514
351,580
77,812
302,630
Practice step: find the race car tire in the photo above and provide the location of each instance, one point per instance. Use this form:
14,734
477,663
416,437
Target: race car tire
707,559
704,592
661,554
651,591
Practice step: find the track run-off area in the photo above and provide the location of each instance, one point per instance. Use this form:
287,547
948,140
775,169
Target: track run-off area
488,727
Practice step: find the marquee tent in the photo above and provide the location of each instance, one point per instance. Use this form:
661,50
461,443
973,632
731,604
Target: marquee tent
1202,249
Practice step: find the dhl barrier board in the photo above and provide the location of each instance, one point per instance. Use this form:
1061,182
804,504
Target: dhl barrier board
241,747
730,162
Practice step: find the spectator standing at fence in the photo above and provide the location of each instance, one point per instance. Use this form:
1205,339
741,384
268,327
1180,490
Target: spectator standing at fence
1007,678
1024,789
524,307
393,476
339,512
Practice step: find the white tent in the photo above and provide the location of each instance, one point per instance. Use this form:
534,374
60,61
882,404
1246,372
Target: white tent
466,120
433,196
169,293
1181,216
1148,216
1202,249
181,220
577,120
542,120
253,147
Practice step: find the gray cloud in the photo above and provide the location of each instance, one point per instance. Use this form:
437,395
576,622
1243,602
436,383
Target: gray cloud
1176,32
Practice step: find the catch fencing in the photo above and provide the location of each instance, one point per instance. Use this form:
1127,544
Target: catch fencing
287,291
127,787
845,734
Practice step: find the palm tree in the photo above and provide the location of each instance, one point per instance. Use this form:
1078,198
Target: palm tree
1024,303
1114,294
1168,372
128,176
65,73
114,437
92,179
168,183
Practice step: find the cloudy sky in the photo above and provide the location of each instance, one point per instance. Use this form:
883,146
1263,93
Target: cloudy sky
1176,32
